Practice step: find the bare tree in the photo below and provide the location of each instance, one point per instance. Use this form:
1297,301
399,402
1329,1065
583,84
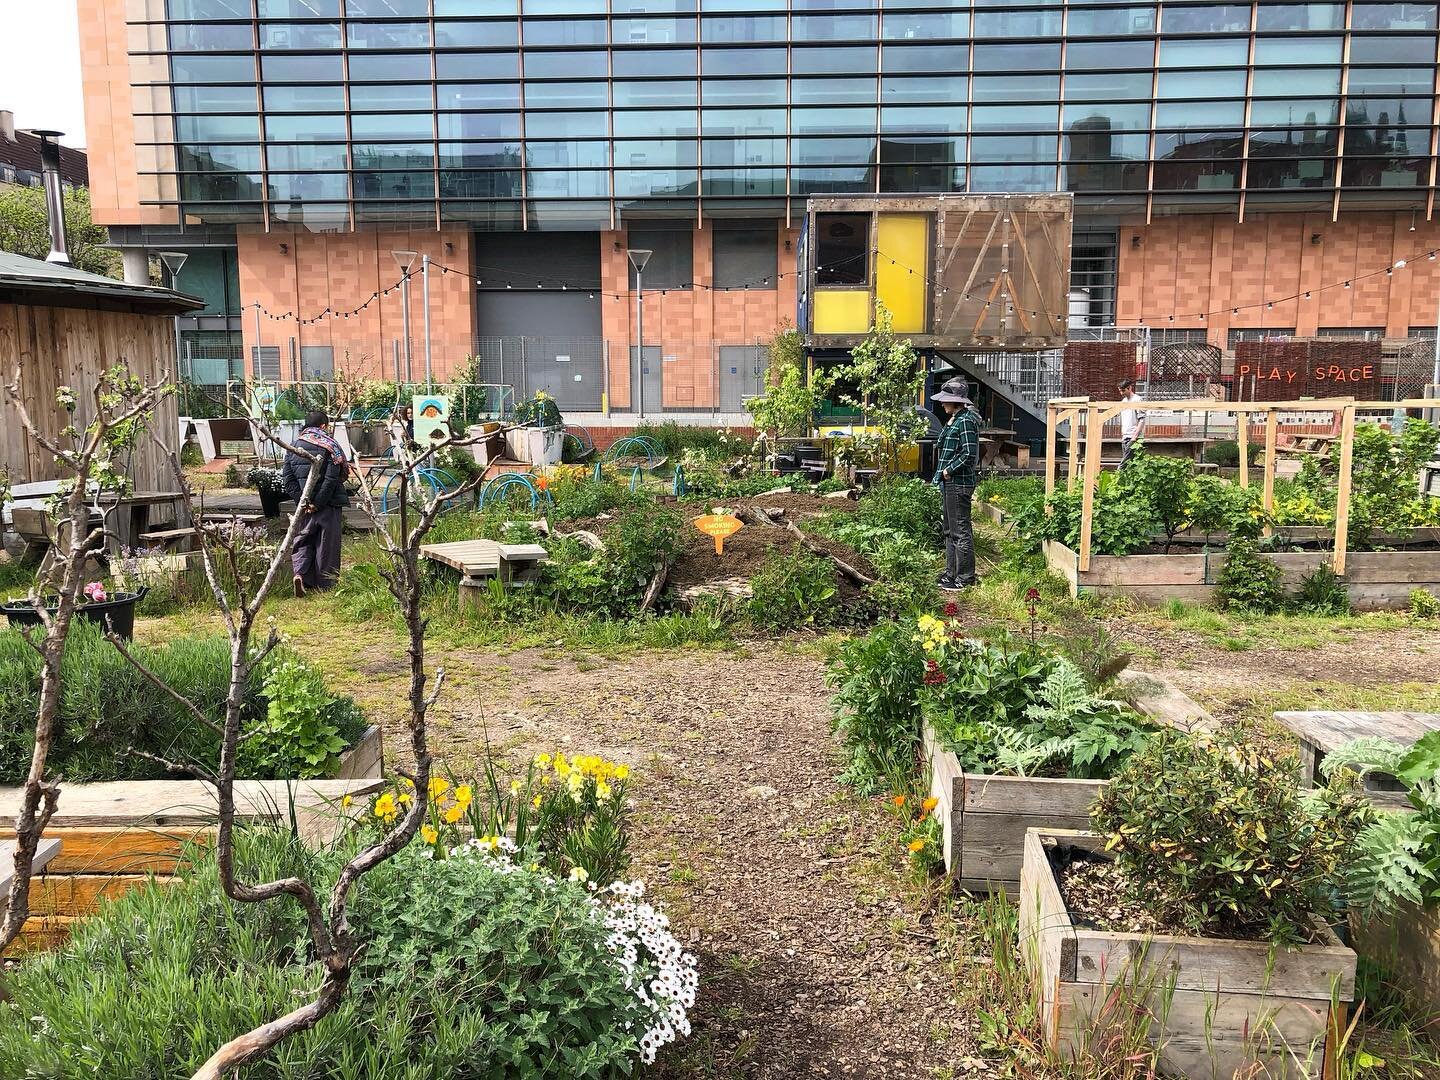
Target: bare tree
86,456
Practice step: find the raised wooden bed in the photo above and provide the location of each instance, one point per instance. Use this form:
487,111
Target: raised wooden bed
1406,945
1375,580
1217,1007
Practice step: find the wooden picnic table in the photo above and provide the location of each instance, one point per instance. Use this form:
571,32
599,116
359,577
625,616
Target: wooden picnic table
128,516
1321,733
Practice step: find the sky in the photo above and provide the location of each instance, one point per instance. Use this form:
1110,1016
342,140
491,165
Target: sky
40,67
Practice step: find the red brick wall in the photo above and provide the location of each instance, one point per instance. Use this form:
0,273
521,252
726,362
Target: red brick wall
1186,264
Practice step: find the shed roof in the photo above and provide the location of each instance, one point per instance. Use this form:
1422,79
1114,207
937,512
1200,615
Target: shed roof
32,281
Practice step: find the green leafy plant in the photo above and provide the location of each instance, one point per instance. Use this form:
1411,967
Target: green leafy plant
905,575
792,590
1424,604
1162,483
1249,581
538,411
1214,505
787,407
300,733
1213,835
1322,592
1226,453
887,378
876,678
894,509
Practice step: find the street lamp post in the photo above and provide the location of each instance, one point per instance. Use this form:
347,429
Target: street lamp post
406,259
425,295
173,261
638,258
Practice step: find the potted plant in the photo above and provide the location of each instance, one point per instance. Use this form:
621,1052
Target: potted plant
540,437
115,611
1195,918
267,481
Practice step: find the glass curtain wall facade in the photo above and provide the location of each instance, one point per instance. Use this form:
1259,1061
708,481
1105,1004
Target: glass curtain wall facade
578,114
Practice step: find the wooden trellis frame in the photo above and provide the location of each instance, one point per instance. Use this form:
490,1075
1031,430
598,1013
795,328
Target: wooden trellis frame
1091,416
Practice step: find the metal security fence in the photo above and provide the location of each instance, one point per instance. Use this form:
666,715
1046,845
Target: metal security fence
574,371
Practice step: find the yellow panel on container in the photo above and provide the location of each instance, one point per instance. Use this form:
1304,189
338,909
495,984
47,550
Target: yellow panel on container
842,311
900,285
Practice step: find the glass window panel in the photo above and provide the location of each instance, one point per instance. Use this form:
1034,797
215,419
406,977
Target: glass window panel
542,184
1382,172
832,151
211,37
1391,50
478,95
1012,177
900,178
566,95
1107,117
743,91
566,65
654,183
291,186
1302,142
839,179
1300,17
290,9
743,5
1206,19
301,156
1200,84
652,31
570,154
386,98
489,184
1290,83
564,32
1385,141
479,125
217,128
656,93
476,7
832,91
1108,86
413,67
755,151
912,148
745,258
667,124
1015,87
311,128
743,61
1390,81
1290,173
842,249
1108,55
302,69
1199,144
1013,147
221,187
1014,117
919,58
473,65
743,28
300,36
651,63
491,33
1393,17
396,126
564,7
1215,114
1041,56
394,185
650,153
894,119
1224,52
720,182
394,155
208,69
1107,22
379,9
1270,113
559,125
211,9
216,98
1017,24
833,28
1102,144
1297,50
387,35
1105,175
823,121
925,26
558,215
831,60
489,155
943,88
743,121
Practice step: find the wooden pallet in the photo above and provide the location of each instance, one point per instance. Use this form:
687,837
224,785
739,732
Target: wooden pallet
480,559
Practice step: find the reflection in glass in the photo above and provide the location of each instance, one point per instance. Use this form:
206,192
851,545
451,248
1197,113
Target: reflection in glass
566,95
398,126
567,155
743,91
302,69
925,26
1015,87
655,93
562,184
836,180
832,91
488,184
1012,178
483,155
652,31
492,33
386,98
651,183
943,88
652,62
1289,173
387,35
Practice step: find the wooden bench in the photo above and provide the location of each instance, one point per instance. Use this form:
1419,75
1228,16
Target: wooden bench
166,538
1321,733
480,560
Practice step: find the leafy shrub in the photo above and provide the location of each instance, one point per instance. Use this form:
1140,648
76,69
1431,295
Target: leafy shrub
643,537
1323,593
1249,581
577,498
1216,838
1226,453
1161,483
1424,604
905,575
794,589
1384,471
300,733
876,678
896,509
1216,505
538,411
705,443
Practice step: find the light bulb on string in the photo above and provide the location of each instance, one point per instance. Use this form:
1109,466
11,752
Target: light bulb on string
1347,284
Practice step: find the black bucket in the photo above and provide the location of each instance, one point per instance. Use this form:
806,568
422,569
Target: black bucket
117,615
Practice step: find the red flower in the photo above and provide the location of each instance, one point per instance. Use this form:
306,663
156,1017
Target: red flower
1032,594
933,675
950,610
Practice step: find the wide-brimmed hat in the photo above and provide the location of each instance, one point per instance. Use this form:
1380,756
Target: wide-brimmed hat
956,390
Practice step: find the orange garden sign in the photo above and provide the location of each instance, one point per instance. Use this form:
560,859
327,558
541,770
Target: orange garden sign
719,526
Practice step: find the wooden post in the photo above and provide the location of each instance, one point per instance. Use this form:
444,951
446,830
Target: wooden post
1342,492
1268,497
1242,440
1052,420
1093,426
1074,472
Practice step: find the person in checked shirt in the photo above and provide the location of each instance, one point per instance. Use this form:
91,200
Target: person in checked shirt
956,460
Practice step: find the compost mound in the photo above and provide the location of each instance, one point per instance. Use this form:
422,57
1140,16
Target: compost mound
746,552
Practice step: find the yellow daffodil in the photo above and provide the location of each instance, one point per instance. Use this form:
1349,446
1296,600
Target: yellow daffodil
438,786
575,782
407,781
345,802
385,806
463,795
428,834
453,815
535,802
406,799
542,761
602,789
514,787
622,771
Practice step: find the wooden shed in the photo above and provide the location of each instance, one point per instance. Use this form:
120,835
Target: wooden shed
60,326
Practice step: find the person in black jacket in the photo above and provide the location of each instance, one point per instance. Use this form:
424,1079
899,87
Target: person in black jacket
315,558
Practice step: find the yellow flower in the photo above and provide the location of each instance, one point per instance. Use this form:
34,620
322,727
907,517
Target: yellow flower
514,787
602,789
622,771
407,781
463,795
428,834
535,802
385,806
542,761
453,815
916,845
578,874
561,765
575,782
438,786
930,804
345,802
406,799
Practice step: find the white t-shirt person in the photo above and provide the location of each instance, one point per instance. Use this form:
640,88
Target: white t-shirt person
1132,421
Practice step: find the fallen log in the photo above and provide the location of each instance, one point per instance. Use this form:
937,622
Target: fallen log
657,583
756,516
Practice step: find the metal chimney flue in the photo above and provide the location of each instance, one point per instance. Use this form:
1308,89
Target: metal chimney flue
54,196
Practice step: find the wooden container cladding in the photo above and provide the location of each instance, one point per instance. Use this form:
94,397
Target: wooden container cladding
1406,944
1375,580
1217,1007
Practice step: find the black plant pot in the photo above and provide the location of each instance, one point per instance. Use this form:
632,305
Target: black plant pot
865,477
270,502
786,464
117,614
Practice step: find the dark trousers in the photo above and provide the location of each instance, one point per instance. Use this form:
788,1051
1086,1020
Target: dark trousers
316,554
959,536
1127,447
